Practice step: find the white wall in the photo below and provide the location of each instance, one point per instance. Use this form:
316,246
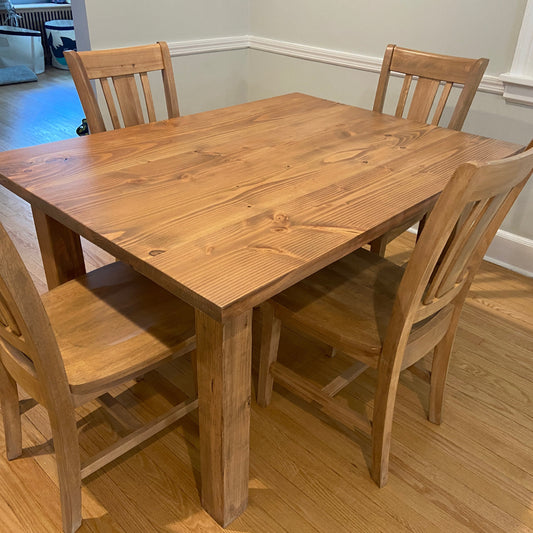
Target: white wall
204,81
472,28
126,22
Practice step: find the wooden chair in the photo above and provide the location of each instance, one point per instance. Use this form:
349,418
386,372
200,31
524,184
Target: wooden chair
72,345
127,69
425,103
386,317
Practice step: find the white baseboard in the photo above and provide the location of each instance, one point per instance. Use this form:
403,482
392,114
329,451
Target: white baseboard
512,251
489,84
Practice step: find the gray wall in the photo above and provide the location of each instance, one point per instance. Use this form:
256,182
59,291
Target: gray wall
472,28
204,81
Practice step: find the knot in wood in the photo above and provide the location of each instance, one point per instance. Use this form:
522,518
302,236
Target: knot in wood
281,222
137,181
281,219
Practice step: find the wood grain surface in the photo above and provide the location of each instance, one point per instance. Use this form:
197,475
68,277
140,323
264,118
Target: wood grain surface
229,207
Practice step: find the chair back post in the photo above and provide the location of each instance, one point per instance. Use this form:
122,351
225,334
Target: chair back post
383,82
467,94
87,96
169,82
28,346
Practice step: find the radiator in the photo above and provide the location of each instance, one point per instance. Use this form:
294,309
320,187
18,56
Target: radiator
33,17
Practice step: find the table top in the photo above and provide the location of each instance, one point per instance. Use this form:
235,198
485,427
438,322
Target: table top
227,208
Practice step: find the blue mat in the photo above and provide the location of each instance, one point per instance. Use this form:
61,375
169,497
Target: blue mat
16,74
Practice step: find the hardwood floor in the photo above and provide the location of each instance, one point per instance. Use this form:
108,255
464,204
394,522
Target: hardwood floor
39,112
474,473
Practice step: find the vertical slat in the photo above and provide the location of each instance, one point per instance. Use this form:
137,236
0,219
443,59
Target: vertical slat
145,82
128,100
455,271
403,95
458,239
442,103
6,317
10,414
108,95
423,98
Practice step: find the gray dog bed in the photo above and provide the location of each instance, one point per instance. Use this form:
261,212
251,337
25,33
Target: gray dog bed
16,74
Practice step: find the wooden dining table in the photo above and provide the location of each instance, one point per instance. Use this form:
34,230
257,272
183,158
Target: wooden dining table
227,208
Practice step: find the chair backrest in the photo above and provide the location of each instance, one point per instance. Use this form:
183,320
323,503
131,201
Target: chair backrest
455,238
28,346
127,69
431,70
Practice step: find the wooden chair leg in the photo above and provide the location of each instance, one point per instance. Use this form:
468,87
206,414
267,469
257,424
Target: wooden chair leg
378,246
65,437
439,372
10,414
332,352
388,377
270,332
194,364
421,224
439,369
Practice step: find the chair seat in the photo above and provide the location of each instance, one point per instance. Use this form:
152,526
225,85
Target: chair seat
75,344
150,323
382,316
347,304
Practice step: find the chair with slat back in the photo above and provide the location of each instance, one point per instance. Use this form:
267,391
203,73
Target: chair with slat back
123,77
389,318
432,76
72,345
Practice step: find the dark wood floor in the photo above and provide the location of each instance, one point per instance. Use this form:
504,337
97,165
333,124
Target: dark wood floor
474,473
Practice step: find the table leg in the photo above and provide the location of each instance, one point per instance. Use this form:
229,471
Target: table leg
224,353
61,250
